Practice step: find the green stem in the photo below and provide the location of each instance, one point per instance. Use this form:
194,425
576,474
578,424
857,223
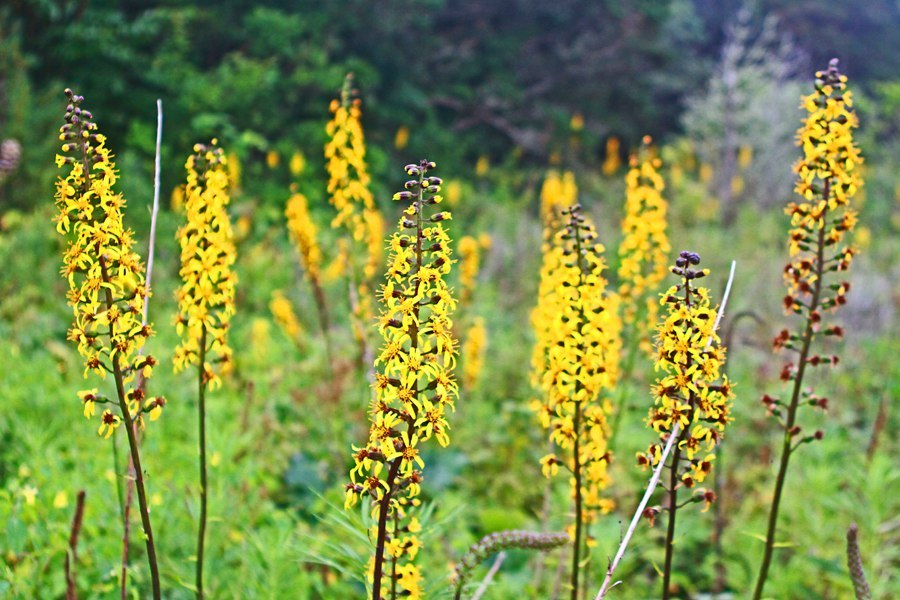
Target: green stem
786,450
119,495
201,405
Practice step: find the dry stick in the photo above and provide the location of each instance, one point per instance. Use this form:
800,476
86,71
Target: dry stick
72,554
126,510
654,480
489,577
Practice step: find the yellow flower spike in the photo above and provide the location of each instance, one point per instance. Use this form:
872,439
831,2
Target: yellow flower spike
644,250
684,395
572,361
469,256
414,386
828,179
473,352
206,296
303,232
105,275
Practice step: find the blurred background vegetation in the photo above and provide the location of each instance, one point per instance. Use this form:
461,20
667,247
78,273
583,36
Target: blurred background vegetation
497,93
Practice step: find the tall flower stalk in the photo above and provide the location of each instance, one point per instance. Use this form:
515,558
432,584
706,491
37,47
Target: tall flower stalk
304,234
414,385
643,259
106,291
644,250
348,191
206,296
691,394
580,362
827,179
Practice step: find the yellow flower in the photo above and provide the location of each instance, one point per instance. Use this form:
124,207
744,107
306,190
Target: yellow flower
473,353
401,138
284,314
297,164
108,424
206,296
303,232
613,161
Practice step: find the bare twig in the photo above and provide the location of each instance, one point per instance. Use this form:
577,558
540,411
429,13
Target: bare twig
72,553
489,577
654,480
129,495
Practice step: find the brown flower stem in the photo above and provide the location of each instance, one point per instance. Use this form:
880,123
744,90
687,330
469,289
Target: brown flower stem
134,448
673,475
670,532
72,554
385,502
383,508
201,406
787,448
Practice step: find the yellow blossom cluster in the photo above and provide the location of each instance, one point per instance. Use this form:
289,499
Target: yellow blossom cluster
692,391
473,353
580,348
558,192
470,249
414,384
206,296
348,191
104,273
828,176
644,250
348,176
302,230
284,314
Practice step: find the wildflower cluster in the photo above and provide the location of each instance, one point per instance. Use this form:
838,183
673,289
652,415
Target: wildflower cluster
348,190
206,296
557,193
414,384
105,274
581,353
302,230
470,249
473,350
645,246
691,392
285,316
828,177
